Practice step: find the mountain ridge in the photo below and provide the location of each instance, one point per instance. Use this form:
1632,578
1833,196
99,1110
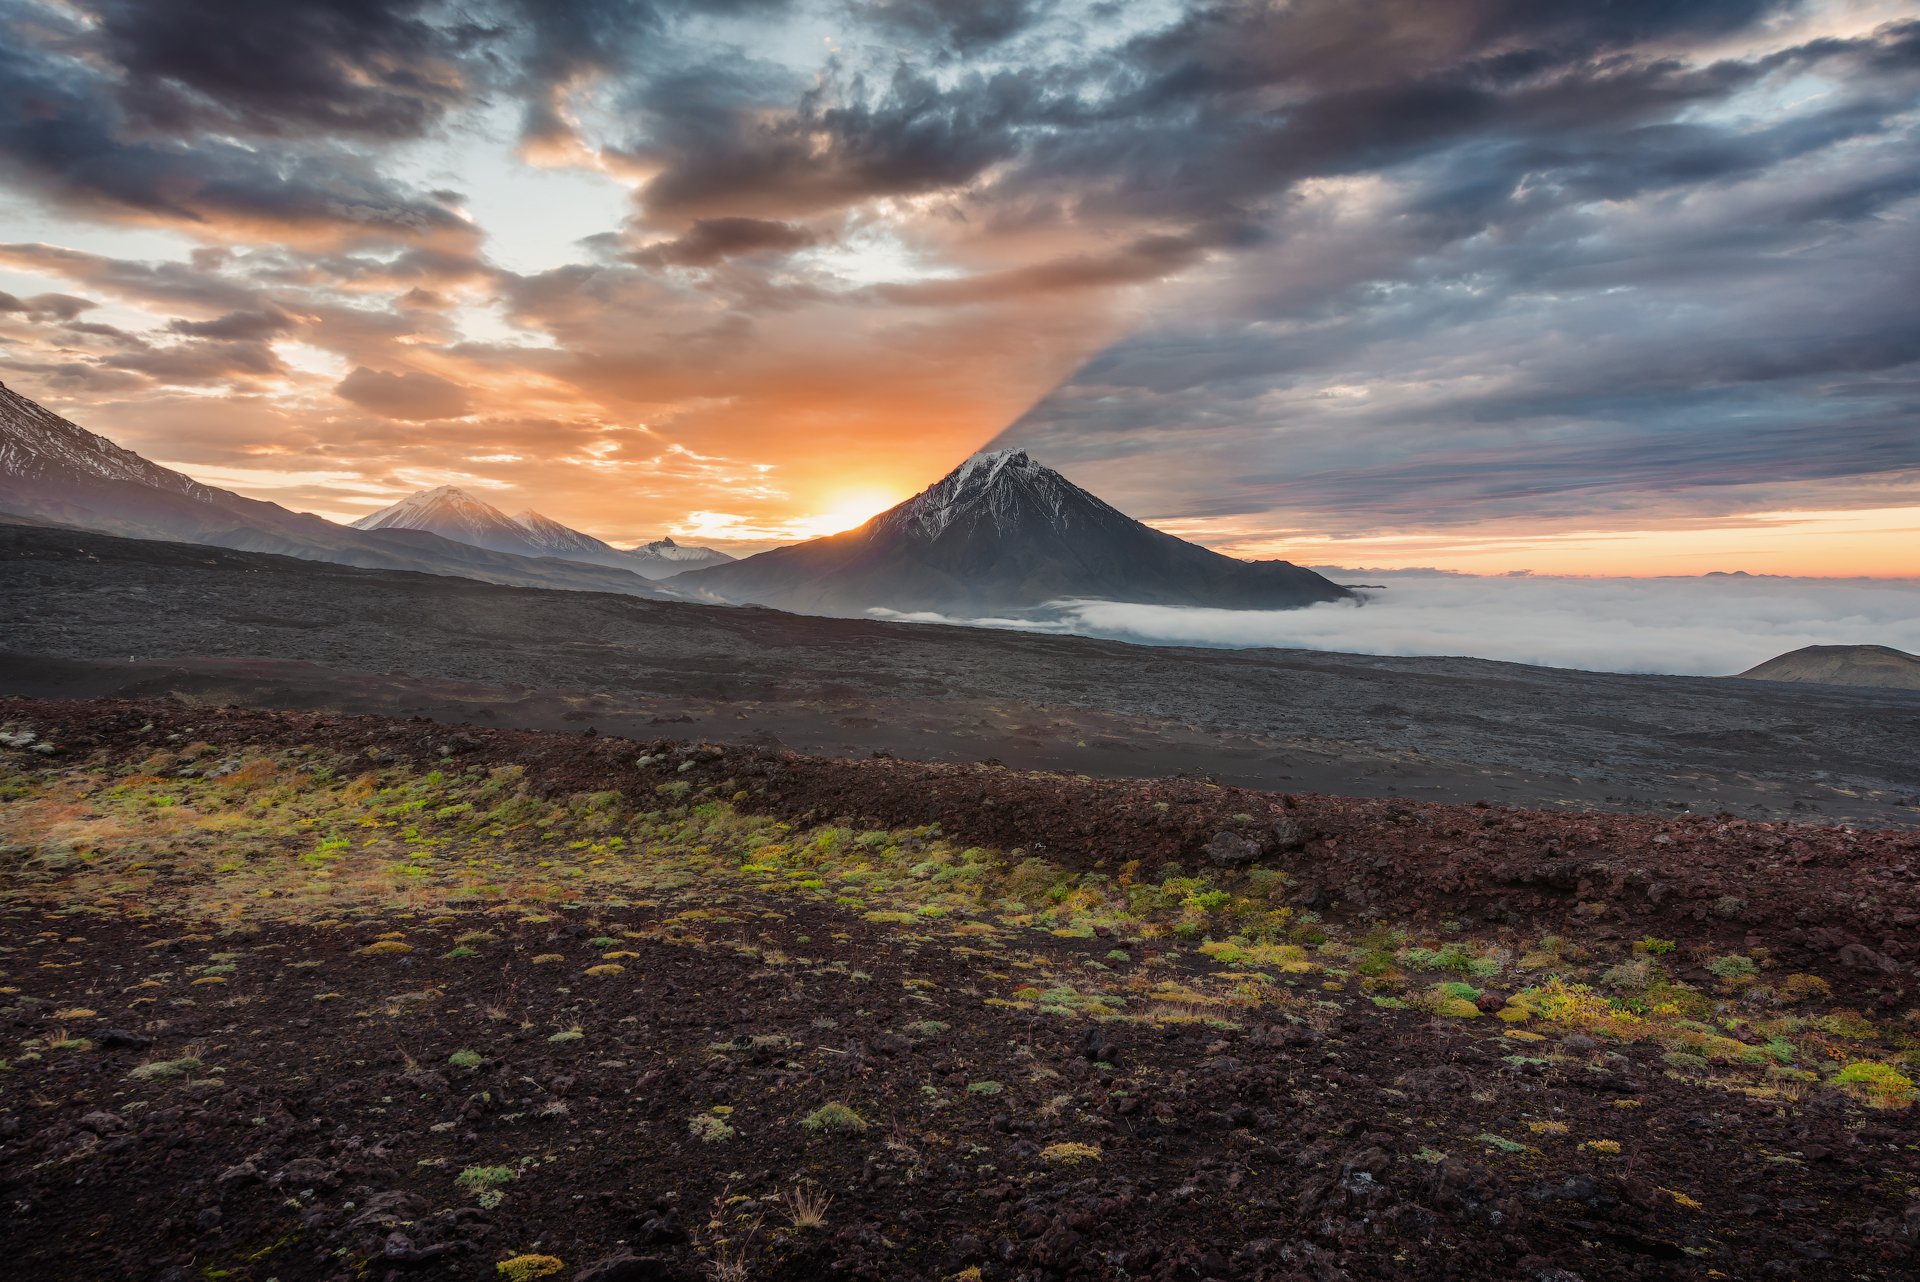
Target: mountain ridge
453,513
52,469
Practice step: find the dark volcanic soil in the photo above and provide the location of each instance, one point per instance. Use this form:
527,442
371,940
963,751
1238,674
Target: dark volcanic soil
321,1123
84,614
1835,901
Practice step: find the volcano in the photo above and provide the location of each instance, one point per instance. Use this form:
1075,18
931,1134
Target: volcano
1002,532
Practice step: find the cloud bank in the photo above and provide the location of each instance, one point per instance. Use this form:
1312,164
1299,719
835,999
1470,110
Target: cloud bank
1710,626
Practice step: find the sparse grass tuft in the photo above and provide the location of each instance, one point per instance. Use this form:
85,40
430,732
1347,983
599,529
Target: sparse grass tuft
805,1208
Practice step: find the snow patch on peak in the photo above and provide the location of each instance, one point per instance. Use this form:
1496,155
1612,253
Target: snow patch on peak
444,509
1000,483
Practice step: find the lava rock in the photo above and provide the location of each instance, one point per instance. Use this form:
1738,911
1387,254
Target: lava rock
1231,849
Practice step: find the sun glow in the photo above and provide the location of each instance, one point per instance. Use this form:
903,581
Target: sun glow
844,511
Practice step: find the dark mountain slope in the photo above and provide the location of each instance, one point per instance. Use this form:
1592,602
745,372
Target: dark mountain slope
1874,666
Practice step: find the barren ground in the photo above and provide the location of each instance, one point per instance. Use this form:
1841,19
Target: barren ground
85,614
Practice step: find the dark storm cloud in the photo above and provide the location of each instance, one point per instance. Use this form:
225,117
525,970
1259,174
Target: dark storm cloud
730,143
963,25
63,135
1576,280
380,68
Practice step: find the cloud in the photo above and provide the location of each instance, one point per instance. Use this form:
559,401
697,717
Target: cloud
379,68
1716,625
962,25
63,307
710,240
413,396
1553,304
80,136
254,326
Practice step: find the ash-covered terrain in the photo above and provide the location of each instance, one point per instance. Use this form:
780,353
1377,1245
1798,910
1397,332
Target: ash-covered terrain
85,614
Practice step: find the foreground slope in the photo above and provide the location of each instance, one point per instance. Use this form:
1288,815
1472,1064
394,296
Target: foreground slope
312,998
1001,532
54,470
1876,667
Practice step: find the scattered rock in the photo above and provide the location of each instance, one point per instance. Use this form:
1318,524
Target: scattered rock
1231,849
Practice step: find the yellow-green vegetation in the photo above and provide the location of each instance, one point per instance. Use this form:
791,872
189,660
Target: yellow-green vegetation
1879,1084
277,837
834,1119
1070,1153
525,1268
712,1129
485,1183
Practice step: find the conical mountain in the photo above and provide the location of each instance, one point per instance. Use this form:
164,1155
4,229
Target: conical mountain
1002,532
452,513
664,557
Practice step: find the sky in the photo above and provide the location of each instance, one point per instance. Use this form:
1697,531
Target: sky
1484,285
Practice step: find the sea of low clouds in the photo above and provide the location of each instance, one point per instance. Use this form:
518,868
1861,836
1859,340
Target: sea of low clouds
1717,625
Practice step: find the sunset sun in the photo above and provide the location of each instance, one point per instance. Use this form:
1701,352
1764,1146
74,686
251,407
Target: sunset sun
845,510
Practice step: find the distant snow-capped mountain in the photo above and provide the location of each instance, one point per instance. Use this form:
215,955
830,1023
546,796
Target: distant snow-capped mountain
453,513
1002,532
560,540
55,471
672,558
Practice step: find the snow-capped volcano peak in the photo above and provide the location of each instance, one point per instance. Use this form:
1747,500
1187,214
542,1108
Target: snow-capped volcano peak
449,511
1002,489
